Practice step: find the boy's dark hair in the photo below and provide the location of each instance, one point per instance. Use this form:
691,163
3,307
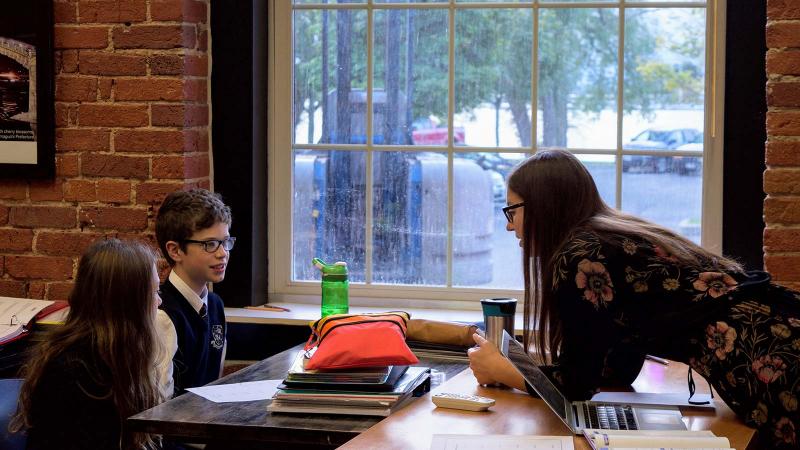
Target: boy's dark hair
184,212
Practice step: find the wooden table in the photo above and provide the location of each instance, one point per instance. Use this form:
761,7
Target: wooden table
192,418
518,413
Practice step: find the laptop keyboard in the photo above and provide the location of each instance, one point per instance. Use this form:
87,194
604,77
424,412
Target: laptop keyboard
609,417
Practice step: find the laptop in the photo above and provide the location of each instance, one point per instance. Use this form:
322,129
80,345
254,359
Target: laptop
587,414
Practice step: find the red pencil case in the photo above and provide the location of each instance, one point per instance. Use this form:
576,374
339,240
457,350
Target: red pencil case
346,341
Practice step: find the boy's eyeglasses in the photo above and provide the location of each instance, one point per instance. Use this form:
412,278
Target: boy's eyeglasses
508,211
212,245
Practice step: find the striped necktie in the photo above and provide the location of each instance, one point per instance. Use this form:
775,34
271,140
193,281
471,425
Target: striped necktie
203,311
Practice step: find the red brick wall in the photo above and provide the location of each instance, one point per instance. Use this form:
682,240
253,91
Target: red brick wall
131,125
782,177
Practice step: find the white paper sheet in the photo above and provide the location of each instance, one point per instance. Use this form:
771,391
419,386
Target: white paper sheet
23,309
500,442
238,392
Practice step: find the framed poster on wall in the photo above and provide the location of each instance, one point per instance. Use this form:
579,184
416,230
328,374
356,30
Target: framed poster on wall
27,147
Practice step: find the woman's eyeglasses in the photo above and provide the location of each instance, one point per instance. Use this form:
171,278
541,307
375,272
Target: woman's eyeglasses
508,211
212,245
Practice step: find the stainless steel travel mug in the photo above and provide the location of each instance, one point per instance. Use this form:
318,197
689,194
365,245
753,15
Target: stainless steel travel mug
498,315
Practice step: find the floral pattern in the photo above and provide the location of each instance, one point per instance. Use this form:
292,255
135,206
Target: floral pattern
715,284
768,368
731,379
595,281
745,341
780,330
760,414
763,367
662,254
784,431
670,284
788,401
720,338
629,246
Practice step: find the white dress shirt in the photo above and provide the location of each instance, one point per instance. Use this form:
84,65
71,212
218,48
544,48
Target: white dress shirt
197,301
169,343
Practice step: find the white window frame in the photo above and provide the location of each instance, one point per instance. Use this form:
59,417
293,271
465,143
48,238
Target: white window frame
283,289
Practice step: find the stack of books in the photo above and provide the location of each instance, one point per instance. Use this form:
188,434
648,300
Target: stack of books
445,352
368,375
376,391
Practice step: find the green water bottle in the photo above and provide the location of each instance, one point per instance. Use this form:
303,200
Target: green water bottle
334,287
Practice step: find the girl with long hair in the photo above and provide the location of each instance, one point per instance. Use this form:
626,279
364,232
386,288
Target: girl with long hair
89,375
604,288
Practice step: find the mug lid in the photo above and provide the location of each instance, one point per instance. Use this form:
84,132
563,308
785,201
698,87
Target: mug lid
499,306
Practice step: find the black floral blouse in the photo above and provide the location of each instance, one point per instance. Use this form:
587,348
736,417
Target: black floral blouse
620,298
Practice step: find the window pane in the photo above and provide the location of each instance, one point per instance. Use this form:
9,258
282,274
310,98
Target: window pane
328,211
410,218
410,77
329,1
664,77
329,57
485,254
412,1
668,198
577,1
493,76
689,143
578,57
664,96
491,1
604,172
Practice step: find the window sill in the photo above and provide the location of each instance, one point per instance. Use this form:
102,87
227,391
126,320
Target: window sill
303,313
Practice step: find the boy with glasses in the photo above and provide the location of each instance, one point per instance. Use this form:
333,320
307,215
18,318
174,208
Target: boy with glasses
192,229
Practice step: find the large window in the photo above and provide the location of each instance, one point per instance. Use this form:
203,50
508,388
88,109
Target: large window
393,127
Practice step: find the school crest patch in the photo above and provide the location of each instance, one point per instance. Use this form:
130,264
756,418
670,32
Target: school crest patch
217,336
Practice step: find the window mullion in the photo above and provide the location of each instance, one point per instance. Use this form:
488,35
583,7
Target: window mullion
451,56
713,151
620,100
368,232
280,137
535,81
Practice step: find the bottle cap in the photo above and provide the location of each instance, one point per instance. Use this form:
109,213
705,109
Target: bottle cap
335,271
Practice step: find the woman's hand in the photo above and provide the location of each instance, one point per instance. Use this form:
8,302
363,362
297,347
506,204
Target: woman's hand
489,366
483,359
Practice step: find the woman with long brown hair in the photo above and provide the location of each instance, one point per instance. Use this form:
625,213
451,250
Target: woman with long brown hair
89,375
606,288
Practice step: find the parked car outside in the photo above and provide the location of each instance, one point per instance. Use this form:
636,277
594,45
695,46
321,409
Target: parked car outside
428,131
498,165
655,139
498,188
689,165
499,162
